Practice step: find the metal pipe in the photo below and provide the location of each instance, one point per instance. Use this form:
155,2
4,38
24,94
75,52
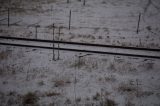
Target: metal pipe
79,50
78,43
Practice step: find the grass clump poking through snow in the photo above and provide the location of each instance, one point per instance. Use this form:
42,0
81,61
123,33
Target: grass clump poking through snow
126,88
4,55
61,82
96,97
79,63
30,99
109,102
49,94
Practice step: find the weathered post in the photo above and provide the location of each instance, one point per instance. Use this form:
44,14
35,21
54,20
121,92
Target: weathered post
84,2
36,31
137,86
53,42
36,28
8,17
70,19
139,19
9,5
59,33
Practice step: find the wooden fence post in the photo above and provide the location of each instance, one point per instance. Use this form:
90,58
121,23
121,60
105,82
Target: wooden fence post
59,33
70,19
139,19
84,2
8,17
53,42
36,30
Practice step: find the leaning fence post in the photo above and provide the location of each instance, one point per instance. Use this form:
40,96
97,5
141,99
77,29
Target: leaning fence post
70,19
53,42
139,19
8,17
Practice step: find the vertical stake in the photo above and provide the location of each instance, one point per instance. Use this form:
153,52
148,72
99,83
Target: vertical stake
67,1
139,19
84,2
140,43
69,19
102,104
9,5
53,42
79,60
75,81
8,17
36,27
59,32
137,87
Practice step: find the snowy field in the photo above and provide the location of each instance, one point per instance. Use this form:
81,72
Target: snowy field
30,77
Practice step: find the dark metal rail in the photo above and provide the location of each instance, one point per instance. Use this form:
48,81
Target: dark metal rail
79,50
78,43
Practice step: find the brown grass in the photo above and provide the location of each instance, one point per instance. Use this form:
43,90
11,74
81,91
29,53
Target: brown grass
126,88
109,102
61,83
96,97
4,55
30,99
49,94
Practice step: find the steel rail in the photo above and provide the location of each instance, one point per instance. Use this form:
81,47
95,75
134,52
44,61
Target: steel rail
78,43
80,50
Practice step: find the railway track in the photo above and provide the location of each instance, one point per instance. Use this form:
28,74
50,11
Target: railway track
81,44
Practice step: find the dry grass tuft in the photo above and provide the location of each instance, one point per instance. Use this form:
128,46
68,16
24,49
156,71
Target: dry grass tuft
30,99
49,94
61,83
68,101
109,102
97,96
4,55
126,88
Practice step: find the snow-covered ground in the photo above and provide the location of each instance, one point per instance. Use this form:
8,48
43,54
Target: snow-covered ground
29,77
